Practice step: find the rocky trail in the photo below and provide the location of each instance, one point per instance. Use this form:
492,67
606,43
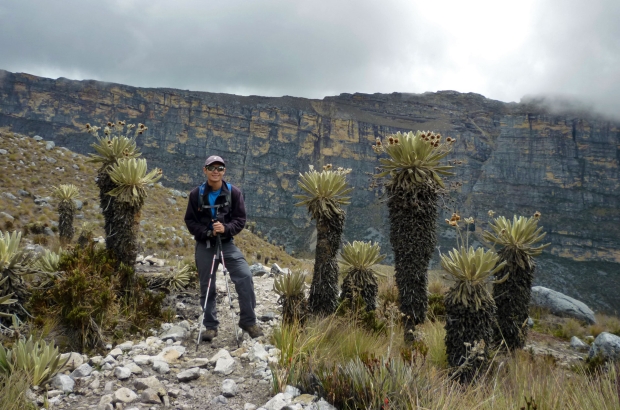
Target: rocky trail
166,370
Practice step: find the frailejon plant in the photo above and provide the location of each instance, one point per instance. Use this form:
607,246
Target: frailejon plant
118,141
41,361
130,178
48,261
324,193
66,210
360,280
414,183
177,279
291,289
13,266
470,308
519,242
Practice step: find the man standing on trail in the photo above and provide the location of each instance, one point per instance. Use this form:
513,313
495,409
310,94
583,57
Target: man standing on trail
226,220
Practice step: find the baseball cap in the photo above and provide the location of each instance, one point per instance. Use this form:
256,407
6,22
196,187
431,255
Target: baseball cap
214,158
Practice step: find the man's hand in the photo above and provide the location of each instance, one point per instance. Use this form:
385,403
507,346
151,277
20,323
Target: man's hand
218,227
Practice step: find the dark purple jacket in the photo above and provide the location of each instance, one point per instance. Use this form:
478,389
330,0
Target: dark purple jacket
232,216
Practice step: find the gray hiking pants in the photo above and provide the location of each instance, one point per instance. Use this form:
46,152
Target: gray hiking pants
240,275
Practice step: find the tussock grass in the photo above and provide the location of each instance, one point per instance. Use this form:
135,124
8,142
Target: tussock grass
13,388
350,367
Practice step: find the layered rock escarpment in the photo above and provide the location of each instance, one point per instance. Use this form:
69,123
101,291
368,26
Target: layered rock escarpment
516,158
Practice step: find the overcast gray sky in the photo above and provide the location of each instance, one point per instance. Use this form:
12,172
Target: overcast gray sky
502,49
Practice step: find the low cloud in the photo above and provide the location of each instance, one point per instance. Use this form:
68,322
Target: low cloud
503,50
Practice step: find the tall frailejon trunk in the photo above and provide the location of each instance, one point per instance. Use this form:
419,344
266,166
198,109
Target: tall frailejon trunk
126,225
108,207
413,220
465,324
361,283
66,211
323,298
512,298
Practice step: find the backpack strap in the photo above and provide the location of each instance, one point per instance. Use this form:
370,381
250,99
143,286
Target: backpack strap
201,193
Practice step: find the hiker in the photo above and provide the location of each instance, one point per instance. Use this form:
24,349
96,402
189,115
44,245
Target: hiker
202,223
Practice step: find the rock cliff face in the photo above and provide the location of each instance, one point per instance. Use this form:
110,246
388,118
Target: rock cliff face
516,158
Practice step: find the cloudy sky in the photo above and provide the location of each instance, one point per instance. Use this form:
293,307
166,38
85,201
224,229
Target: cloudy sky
312,48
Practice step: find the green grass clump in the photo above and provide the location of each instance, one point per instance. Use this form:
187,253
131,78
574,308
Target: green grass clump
13,387
353,368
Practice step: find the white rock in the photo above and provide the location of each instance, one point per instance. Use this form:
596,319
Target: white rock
150,383
74,360
276,270
561,305
96,360
222,353
224,366
63,382
577,344
116,352
323,405
258,352
105,400
134,368
125,346
198,362
249,406
293,391
150,396
142,359
277,402
161,367
229,388
109,359
175,333
82,371
606,345
124,395
122,373
170,354
189,374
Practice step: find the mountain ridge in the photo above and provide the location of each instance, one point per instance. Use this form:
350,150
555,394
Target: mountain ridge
517,158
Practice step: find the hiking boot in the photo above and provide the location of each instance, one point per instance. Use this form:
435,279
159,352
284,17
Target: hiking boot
208,335
254,331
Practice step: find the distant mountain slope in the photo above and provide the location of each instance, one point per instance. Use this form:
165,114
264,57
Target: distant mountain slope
516,158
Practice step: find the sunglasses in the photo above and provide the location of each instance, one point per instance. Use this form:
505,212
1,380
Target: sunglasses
211,168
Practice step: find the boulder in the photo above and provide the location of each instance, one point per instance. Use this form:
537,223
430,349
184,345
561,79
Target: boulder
83,370
189,375
561,305
124,395
63,382
161,367
74,360
176,333
258,270
150,383
577,344
224,366
276,270
150,396
122,373
229,388
607,346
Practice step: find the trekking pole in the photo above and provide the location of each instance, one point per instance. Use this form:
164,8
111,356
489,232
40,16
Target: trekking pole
204,308
225,273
